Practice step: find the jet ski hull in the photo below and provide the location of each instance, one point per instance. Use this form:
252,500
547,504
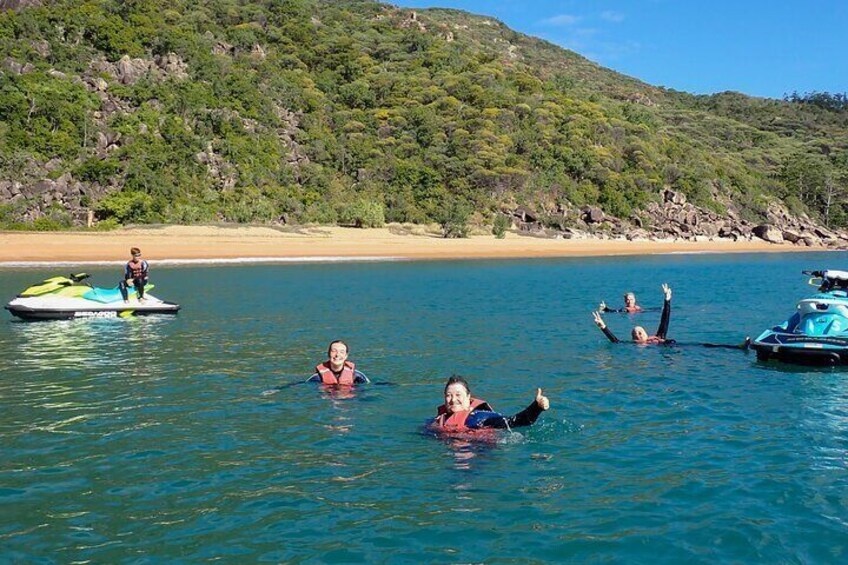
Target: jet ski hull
56,308
807,351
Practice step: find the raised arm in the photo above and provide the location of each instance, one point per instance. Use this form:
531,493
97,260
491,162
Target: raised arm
526,417
602,307
599,321
665,318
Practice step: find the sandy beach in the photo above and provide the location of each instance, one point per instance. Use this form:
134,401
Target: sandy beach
208,243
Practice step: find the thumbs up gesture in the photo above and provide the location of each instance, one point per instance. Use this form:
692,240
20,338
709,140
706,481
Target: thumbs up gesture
542,400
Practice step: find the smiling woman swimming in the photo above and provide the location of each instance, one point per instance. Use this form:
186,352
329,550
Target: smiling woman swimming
461,412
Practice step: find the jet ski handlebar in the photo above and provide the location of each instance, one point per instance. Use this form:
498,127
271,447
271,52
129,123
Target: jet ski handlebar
813,273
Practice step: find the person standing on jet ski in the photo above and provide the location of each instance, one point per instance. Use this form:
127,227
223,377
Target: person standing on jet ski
337,370
630,306
463,413
135,273
641,337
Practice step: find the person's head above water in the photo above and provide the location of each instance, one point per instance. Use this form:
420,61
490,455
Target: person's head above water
457,395
639,334
337,353
629,299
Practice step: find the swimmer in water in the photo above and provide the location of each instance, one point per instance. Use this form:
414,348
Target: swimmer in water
337,370
630,306
641,337
461,412
638,333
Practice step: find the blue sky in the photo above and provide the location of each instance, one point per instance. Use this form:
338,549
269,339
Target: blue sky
759,47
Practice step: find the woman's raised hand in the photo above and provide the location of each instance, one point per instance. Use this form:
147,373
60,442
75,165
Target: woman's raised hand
598,320
542,400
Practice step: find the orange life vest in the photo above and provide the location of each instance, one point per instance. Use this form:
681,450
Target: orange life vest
456,422
136,268
346,377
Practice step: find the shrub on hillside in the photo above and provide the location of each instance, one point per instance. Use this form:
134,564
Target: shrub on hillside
127,207
453,219
363,213
500,226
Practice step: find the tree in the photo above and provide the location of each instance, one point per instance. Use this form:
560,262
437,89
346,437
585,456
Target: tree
364,213
500,226
453,218
803,176
831,193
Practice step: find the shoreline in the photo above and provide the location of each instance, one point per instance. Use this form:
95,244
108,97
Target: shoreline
258,244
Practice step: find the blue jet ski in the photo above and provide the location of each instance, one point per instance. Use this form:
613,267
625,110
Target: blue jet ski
817,333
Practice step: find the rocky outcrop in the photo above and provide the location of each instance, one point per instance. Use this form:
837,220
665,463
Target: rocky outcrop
10,5
674,218
289,127
40,198
592,215
768,233
220,170
17,68
128,70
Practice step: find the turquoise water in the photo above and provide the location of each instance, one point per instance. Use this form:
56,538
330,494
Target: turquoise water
180,439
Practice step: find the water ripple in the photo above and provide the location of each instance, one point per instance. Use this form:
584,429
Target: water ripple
192,438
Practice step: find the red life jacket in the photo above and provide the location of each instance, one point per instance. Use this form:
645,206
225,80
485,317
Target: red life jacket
329,378
654,340
456,422
136,268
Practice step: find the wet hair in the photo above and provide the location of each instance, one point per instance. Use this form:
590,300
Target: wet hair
633,294
456,379
633,331
135,251
332,343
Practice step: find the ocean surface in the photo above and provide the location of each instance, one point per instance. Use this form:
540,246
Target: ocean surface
192,439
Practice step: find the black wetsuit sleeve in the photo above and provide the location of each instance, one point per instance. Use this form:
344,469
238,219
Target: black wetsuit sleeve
608,309
524,418
743,346
360,378
316,378
662,330
609,334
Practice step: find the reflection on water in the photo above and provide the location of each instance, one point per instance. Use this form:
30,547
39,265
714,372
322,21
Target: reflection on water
83,343
193,438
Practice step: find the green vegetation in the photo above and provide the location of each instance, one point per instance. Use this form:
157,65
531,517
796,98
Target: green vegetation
357,113
500,225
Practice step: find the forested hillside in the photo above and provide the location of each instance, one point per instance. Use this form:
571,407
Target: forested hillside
360,113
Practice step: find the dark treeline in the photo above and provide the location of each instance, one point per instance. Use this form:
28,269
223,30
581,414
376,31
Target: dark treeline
836,102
